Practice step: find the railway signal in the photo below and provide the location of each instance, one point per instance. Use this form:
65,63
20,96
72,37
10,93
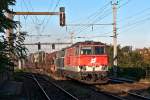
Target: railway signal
53,46
61,13
62,16
39,46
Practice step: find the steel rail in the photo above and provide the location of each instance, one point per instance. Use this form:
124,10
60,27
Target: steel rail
137,95
48,98
75,98
130,93
105,93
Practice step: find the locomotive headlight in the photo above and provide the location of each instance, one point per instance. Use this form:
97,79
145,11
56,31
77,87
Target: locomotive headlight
83,68
105,67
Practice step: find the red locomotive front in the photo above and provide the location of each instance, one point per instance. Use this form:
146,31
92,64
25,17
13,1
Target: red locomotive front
87,62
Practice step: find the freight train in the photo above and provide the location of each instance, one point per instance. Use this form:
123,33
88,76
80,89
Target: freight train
86,62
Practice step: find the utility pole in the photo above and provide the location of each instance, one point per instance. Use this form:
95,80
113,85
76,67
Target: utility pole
114,7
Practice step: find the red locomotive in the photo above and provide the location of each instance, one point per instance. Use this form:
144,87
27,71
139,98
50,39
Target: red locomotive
83,61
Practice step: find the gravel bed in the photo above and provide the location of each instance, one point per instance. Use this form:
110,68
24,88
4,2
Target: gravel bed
137,87
81,91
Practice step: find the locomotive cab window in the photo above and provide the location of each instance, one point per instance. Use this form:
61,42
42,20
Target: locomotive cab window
86,50
98,50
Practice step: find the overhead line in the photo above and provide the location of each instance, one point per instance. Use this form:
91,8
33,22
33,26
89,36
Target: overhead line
93,15
43,21
135,15
37,20
125,4
48,19
102,10
91,36
106,14
38,35
87,24
28,11
46,43
135,23
95,21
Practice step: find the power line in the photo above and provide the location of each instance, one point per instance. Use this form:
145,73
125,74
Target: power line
28,11
92,36
124,4
135,15
100,11
48,19
96,20
109,12
134,23
44,19
24,16
96,13
87,24
105,15
37,20
39,35
93,16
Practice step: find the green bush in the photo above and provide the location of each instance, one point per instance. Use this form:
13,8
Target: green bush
135,73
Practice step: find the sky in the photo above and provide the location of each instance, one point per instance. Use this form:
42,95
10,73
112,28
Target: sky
133,21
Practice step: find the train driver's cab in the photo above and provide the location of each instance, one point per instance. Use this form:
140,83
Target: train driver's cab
92,50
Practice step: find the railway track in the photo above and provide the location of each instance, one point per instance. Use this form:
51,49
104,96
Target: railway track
129,95
123,95
106,93
134,96
99,95
40,80
47,90
52,91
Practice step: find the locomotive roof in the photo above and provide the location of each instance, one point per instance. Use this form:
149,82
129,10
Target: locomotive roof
84,43
88,43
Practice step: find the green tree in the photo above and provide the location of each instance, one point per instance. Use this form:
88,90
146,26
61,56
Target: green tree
10,52
6,23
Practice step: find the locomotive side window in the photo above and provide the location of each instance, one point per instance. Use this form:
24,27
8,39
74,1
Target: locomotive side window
86,50
99,50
